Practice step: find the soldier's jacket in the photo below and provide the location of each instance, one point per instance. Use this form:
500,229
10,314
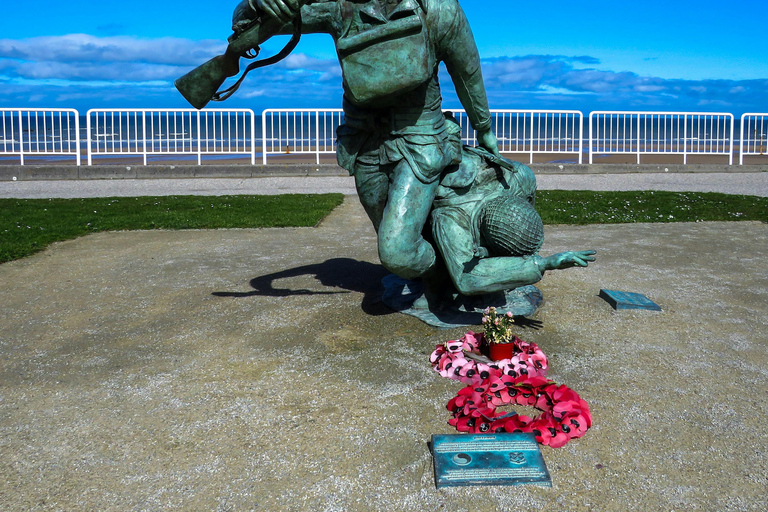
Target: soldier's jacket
449,40
386,44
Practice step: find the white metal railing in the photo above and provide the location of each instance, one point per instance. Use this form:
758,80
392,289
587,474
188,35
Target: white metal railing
154,132
531,131
661,133
312,131
753,135
39,132
48,132
299,131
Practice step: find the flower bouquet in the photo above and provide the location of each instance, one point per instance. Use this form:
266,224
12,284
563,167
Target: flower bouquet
499,339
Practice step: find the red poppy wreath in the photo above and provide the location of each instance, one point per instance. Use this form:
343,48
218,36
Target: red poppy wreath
564,414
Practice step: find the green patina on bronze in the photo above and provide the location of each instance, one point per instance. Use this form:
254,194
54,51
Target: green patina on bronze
395,140
486,228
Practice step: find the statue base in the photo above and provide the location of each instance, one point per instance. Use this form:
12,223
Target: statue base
461,310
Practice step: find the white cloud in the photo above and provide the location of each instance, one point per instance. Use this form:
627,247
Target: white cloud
545,77
107,71
88,48
99,70
254,94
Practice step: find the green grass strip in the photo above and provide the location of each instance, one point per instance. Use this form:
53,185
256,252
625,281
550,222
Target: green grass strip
588,207
29,225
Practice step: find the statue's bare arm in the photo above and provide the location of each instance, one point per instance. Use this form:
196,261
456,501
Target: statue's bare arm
568,259
458,50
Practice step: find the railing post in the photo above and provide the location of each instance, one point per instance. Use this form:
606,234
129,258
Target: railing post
77,137
21,140
730,149
264,137
317,135
530,158
685,139
591,114
581,137
88,134
144,135
638,138
741,139
199,142
253,137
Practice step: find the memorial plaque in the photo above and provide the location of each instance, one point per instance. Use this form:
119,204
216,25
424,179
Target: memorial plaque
488,459
628,300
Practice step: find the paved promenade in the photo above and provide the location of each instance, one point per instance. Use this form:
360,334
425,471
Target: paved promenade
750,183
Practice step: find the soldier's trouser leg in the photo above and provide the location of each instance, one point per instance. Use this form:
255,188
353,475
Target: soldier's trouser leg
373,190
402,249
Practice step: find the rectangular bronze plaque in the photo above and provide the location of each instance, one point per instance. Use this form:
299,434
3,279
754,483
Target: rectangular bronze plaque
488,459
628,300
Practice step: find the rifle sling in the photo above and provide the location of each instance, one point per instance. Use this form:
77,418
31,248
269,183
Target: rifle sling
223,95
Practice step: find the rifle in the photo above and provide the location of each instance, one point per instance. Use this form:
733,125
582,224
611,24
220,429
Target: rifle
201,85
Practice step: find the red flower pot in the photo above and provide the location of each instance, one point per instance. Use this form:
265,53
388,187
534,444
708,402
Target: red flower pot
499,351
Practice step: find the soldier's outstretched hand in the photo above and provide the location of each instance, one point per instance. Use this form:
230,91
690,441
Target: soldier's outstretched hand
569,259
284,10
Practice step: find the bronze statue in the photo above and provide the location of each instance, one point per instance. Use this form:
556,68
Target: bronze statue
394,139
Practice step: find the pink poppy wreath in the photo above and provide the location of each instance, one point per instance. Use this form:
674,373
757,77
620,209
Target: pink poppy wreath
450,360
564,414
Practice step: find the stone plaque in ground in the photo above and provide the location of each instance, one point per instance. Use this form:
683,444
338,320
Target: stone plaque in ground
488,459
628,300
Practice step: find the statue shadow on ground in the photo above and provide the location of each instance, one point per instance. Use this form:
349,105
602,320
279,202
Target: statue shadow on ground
345,273
375,283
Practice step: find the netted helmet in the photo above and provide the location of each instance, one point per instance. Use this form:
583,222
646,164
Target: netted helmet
510,226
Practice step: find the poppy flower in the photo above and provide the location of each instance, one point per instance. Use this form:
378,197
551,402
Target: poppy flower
553,437
577,424
562,409
471,341
435,356
565,394
454,346
501,397
496,384
518,422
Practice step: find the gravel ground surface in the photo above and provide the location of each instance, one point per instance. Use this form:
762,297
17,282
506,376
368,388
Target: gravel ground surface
257,370
750,183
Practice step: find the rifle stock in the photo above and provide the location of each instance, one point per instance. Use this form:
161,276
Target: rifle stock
199,85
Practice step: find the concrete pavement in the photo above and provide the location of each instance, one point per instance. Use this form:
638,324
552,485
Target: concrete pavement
258,370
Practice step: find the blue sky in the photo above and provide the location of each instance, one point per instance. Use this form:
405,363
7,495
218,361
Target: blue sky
653,55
